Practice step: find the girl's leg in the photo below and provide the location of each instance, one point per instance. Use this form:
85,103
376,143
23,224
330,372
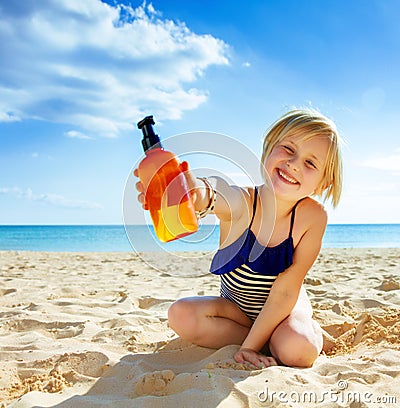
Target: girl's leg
209,321
297,340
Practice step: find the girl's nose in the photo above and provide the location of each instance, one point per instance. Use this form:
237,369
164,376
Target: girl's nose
293,164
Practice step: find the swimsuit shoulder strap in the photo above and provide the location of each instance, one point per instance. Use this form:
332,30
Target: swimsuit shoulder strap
254,206
292,218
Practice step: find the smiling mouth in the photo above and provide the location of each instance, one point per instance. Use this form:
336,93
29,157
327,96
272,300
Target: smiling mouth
287,178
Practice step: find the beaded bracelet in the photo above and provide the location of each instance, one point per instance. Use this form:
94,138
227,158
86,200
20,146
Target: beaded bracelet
213,197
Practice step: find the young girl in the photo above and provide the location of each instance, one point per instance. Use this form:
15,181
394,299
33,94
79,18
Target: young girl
270,236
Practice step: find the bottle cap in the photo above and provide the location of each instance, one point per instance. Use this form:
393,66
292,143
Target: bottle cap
150,139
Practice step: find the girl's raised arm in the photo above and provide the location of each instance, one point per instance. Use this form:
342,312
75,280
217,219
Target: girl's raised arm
229,202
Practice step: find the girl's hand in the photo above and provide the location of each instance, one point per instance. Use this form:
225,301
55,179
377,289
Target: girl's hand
139,187
253,357
190,179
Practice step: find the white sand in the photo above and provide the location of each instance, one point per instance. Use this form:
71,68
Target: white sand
90,330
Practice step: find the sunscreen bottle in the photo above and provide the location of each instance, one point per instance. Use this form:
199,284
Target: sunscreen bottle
165,187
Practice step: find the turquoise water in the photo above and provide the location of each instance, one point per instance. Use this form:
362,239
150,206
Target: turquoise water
102,238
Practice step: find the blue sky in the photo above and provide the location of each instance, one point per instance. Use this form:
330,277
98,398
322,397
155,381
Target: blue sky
76,76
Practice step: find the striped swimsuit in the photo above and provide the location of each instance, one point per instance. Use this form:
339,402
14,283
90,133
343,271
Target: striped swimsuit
248,269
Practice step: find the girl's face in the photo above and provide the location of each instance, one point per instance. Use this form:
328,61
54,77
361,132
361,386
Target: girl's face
296,167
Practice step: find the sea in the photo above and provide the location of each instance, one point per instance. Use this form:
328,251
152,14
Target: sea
141,238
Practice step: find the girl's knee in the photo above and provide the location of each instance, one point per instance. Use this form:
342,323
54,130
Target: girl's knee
296,351
181,316
177,312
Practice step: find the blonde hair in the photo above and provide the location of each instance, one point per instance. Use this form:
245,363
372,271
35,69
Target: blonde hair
306,124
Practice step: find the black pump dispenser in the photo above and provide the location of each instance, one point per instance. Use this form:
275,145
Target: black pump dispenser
150,139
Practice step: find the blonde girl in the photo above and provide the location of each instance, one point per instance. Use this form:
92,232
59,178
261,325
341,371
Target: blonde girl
270,236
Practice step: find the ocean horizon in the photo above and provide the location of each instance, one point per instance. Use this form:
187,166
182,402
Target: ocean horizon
141,238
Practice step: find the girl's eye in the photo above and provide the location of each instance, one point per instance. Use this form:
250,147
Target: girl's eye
288,148
311,164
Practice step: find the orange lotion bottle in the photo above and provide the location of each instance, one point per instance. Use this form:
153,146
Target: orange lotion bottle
165,187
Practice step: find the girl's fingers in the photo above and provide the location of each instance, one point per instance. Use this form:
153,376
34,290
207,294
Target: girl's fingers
248,356
268,361
256,359
139,187
184,166
239,357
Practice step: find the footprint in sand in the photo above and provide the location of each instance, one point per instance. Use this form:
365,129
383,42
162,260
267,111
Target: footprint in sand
147,302
58,330
67,370
231,365
4,292
154,383
312,281
388,285
66,330
89,364
299,379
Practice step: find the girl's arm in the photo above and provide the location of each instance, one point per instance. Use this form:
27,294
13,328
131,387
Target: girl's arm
285,290
230,200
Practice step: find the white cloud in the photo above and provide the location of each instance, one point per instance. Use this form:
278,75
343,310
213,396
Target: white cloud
49,198
76,135
37,155
99,67
390,163
8,117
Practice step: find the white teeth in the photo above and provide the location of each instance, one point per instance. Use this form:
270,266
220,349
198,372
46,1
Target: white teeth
287,178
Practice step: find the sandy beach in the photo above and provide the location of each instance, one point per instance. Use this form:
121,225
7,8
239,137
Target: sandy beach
91,330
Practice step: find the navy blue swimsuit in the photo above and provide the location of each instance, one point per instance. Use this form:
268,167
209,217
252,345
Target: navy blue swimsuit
249,269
